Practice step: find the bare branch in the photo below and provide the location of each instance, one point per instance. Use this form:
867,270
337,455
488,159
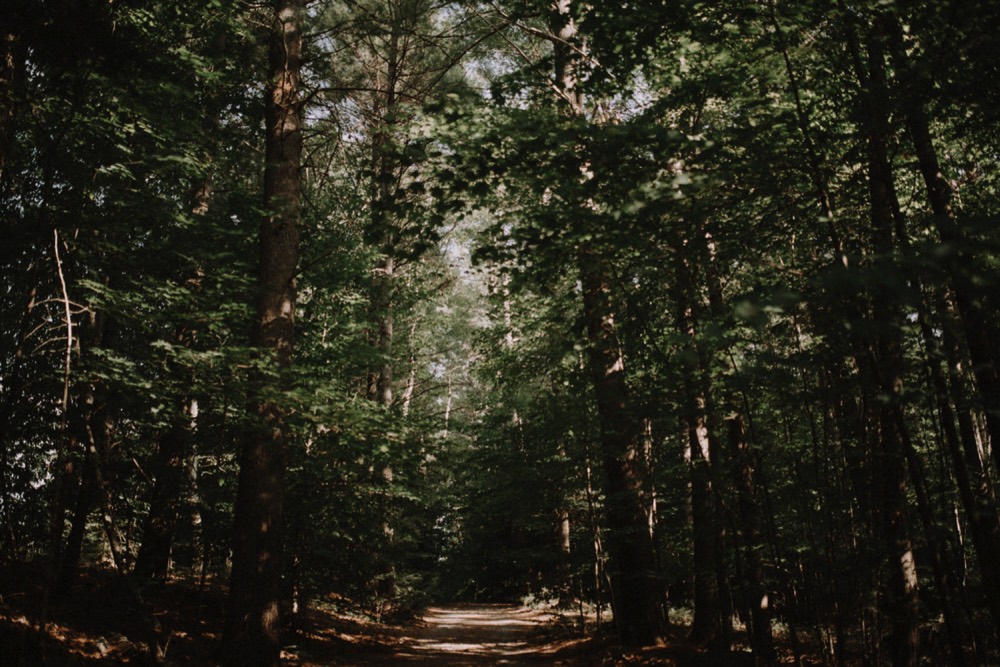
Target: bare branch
69,331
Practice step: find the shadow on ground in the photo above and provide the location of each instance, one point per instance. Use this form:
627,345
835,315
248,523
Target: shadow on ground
96,625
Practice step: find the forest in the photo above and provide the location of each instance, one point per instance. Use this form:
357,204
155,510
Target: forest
676,319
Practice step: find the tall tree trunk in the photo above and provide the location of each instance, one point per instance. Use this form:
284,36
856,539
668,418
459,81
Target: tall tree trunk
564,571
600,573
971,478
712,595
638,595
382,234
637,592
981,330
884,362
12,69
742,464
380,387
97,430
252,629
932,531
381,308
936,546
882,359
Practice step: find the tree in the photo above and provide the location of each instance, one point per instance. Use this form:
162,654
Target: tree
252,635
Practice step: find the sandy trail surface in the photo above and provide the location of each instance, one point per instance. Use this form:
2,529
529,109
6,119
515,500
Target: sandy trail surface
477,635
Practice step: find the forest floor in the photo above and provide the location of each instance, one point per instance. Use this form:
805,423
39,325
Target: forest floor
472,635
98,624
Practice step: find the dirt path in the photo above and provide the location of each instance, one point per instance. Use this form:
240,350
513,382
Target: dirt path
92,626
477,635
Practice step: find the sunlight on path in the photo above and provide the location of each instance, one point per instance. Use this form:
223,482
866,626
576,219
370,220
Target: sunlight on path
477,635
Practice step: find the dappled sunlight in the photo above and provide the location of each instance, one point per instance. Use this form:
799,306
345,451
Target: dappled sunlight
483,634
488,616
478,647
94,626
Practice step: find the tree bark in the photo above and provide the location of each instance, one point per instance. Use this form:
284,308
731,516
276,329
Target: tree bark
252,629
78,466
176,443
637,592
761,639
707,628
981,331
880,356
86,499
638,595
884,358
711,626
382,233
741,459
153,560
12,69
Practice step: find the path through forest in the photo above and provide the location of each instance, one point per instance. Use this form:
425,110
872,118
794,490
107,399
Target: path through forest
95,625
478,635
473,635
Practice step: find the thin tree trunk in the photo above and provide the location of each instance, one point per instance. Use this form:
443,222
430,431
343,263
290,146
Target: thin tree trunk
940,569
64,466
380,379
80,467
742,470
711,625
595,528
199,559
761,639
98,431
812,153
153,560
884,359
564,570
97,428
252,630
981,331
12,70
86,500
175,444
959,443
707,628
880,359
